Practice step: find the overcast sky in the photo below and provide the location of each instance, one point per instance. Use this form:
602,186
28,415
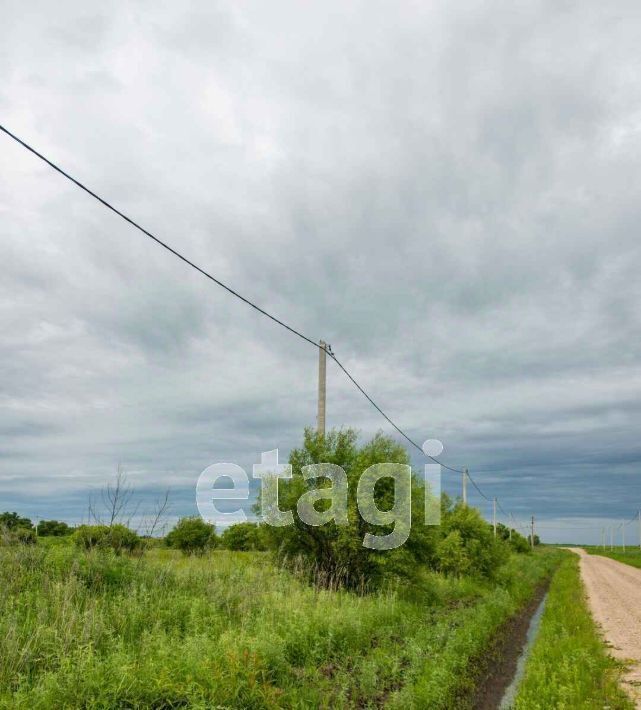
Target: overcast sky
447,193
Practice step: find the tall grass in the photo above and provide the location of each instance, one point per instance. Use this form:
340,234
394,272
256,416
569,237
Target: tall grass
569,667
231,630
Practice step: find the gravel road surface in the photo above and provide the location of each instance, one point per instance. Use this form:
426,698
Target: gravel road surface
614,595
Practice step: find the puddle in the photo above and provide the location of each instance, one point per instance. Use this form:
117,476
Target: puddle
510,692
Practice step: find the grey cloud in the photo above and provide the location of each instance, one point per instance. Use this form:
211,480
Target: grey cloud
447,195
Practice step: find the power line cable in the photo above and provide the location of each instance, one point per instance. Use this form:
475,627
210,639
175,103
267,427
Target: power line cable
218,282
249,302
158,241
398,429
480,492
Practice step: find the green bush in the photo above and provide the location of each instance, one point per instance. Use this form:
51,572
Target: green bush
18,536
192,536
334,555
115,537
53,528
11,521
15,530
90,536
468,545
243,536
453,557
518,542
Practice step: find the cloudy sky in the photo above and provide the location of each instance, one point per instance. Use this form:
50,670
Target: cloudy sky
447,193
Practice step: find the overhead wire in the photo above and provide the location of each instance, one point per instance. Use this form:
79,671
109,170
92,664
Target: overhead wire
215,280
250,303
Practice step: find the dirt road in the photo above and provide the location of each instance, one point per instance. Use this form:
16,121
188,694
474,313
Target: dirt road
614,594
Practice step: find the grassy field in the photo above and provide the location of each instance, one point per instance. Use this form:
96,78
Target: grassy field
631,556
569,666
228,629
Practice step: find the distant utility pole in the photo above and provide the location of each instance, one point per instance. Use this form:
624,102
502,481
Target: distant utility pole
322,386
465,491
611,542
511,524
532,534
603,538
623,534
494,515
639,528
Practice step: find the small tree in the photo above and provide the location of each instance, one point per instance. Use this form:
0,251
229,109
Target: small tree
333,554
192,536
12,521
53,528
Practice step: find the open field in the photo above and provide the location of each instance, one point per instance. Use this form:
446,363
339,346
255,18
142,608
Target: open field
231,630
631,556
569,666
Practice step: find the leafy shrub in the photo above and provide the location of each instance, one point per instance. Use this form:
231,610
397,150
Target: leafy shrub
515,540
453,556
334,555
192,536
53,528
18,536
116,537
11,521
243,536
15,530
470,541
90,536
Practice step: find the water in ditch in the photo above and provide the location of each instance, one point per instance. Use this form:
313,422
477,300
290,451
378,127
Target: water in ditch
510,692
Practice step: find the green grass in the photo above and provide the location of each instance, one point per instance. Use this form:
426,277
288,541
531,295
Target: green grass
631,556
569,667
232,630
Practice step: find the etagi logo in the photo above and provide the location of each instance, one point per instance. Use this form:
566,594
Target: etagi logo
269,472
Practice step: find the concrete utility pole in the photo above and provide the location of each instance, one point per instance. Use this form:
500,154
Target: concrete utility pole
623,534
640,528
494,515
532,534
603,538
611,542
465,488
322,386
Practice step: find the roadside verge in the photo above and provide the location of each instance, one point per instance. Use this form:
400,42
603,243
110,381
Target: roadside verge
569,665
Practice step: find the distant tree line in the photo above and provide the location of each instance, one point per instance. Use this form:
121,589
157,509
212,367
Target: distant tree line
17,529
